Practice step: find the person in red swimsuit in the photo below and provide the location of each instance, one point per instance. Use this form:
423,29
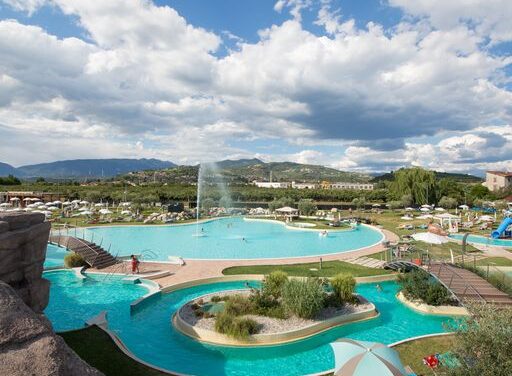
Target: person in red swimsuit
135,264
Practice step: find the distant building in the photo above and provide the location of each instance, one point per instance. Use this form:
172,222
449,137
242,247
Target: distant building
304,185
496,180
356,186
272,184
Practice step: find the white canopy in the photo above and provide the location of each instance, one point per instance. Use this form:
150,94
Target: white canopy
464,207
75,201
125,203
27,199
426,206
84,202
376,205
287,209
57,202
105,211
14,199
425,209
99,204
430,238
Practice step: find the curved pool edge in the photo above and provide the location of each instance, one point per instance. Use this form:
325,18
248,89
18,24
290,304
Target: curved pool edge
249,219
382,239
271,339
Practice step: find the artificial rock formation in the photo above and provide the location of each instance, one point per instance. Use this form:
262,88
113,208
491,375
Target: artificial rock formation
23,241
28,345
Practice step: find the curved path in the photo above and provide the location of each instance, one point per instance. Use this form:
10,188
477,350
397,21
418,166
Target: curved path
201,269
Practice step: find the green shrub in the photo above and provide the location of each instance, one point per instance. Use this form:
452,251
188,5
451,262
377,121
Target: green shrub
235,326
419,285
238,305
273,283
74,260
304,298
344,286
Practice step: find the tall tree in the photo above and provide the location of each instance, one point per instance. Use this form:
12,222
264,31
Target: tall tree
417,182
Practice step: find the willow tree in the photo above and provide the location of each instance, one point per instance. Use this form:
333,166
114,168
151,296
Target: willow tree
416,182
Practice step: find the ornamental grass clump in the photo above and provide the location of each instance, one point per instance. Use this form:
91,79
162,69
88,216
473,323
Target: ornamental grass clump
273,284
344,286
303,298
238,327
74,260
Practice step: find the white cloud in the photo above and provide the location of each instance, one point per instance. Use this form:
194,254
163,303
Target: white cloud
143,77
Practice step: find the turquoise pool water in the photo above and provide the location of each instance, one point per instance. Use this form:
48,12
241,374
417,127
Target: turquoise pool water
483,240
149,334
229,238
74,300
54,256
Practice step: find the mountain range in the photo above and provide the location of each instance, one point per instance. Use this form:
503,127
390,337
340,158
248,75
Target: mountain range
83,168
232,171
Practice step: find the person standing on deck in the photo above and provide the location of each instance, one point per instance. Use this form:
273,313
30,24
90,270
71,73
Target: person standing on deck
135,264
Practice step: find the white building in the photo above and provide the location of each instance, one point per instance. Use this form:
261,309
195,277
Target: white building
356,186
496,180
272,184
304,185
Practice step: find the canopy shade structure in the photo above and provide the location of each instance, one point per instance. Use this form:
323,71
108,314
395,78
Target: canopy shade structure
464,207
287,210
428,237
361,358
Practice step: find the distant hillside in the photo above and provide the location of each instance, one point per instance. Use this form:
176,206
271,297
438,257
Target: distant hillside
91,168
462,178
7,169
247,170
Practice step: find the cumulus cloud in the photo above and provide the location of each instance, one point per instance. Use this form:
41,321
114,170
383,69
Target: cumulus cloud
143,77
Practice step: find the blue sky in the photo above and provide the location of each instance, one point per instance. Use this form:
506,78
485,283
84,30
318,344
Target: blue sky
356,85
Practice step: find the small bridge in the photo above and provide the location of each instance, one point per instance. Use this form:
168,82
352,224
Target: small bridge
93,254
466,285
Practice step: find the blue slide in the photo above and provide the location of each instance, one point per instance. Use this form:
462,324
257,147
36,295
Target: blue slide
507,221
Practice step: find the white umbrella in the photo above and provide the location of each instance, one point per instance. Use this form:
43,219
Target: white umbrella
53,208
409,209
27,199
440,209
66,203
287,209
87,212
430,238
376,205
125,203
35,199
14,199
425,216
99,205
57,202
84,202
426,206
425,209
75,201
126,212
83,209
105,211
464,207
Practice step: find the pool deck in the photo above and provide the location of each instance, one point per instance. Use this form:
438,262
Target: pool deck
201,269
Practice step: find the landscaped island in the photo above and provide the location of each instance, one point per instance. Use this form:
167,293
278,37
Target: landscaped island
282,310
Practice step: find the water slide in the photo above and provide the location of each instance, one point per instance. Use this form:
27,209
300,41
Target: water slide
507,221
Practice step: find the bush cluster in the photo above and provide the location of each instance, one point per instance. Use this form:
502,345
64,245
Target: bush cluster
418,285
273,284
74,260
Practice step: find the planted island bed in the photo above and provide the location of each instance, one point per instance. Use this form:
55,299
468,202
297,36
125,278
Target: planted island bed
281,311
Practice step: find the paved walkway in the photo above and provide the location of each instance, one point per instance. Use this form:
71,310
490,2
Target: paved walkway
200,269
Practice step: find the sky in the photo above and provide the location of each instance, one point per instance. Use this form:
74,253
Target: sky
366,86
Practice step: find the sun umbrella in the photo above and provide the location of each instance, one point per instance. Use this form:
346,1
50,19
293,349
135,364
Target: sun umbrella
125,203
105,211
376,205
35,199
409,209
66,203
27,199
75,201
5,205
53,208
464,207
425,209
426,206
87,212
84,202
428,237
14,199
99,204
361,358
126,212
440,209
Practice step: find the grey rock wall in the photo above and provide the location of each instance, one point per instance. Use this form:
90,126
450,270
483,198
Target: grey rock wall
23,241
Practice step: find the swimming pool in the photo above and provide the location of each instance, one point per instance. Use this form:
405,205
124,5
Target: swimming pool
74,300
149,334
54,256
483,240
230,238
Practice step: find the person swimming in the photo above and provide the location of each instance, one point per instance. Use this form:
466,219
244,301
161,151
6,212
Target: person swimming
378,287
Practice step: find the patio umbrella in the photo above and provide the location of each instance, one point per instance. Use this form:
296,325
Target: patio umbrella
464,207
409,209
425,209
84,202
361,358
428,237
125,203
426,206
440,209
105,211
87,212
14,199
75,201
99,204
126,212
27,199
35,199
376,205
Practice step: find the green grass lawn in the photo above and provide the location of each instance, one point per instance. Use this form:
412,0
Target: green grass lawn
96,347
329,269
496,261
412,353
